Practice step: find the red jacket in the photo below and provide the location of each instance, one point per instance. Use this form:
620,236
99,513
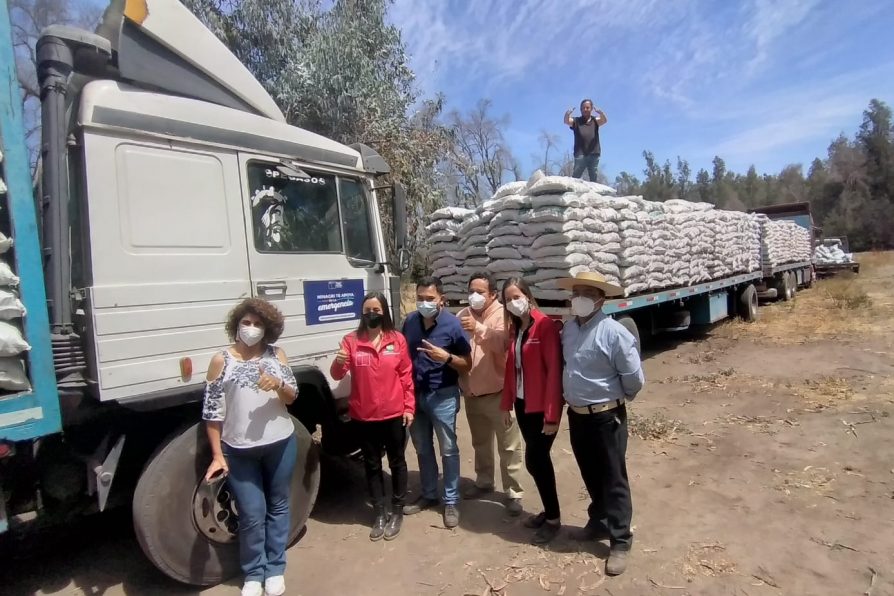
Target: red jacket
542,366
381,380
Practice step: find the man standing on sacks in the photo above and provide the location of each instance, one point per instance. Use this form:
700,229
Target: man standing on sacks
484,321
602,372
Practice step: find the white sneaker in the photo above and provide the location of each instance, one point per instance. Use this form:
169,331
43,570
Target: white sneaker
275,586
252,588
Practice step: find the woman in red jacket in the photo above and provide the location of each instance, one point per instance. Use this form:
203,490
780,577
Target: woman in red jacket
382,404
533,386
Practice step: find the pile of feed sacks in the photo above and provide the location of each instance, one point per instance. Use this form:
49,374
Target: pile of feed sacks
552,227
783,241
444,252
831,254
13,346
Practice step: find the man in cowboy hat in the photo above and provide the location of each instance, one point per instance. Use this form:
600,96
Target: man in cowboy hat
602,372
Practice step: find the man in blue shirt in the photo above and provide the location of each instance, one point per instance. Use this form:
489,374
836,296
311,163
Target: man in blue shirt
440,351
602,372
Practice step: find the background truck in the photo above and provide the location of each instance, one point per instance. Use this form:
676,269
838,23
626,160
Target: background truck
835,246
784,281
170,189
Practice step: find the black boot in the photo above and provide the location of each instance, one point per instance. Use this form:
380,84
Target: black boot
378,527
394,523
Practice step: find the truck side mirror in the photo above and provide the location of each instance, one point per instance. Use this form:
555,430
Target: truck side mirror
399,212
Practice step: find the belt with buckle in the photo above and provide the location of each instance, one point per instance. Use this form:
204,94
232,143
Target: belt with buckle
597,408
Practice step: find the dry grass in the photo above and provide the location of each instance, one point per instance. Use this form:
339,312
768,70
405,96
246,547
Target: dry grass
656,427
708,560
724,380
836,307
845,292
825,391
819,480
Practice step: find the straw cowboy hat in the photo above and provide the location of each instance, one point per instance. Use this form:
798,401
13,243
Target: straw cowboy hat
593,280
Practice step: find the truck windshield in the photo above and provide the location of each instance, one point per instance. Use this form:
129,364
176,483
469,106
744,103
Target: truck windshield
292,214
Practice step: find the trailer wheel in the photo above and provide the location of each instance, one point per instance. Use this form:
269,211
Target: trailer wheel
784,287
748,304
793,283
630,325
187,528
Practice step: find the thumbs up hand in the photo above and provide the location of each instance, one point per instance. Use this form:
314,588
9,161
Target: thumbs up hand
268,381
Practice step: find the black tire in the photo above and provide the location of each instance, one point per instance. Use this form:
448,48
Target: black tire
163,507
748,304
784,287
793,279
630,325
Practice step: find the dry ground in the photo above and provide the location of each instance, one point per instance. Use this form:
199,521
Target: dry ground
761,465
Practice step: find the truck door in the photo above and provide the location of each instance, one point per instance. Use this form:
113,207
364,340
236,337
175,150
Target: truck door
313,248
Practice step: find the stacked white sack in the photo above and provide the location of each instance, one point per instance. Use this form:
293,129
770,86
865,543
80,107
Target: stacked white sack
832,255
553,227
13,345
571,229
445,251
505,240
783,242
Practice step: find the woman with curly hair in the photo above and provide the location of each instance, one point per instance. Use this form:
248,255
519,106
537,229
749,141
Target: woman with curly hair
382,405
253,439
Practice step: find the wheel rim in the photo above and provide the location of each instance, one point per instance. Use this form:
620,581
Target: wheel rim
215,513
752,305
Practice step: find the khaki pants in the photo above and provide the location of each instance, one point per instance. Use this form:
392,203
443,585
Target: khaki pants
486,423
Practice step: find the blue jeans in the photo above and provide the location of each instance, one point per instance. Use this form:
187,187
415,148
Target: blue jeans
261,480
436,414
590,163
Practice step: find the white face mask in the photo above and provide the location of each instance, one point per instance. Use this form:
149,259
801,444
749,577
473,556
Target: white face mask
250,335
518,307
476,301
581,306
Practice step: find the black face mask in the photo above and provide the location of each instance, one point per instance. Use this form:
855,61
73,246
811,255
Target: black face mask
373,320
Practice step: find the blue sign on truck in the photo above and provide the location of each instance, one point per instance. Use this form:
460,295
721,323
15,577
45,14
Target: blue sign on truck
330,301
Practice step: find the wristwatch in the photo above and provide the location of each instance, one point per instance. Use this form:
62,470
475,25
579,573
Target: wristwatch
449,359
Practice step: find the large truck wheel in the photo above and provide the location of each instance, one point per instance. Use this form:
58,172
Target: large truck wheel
630,325
793,283
784,287
748,304
186,527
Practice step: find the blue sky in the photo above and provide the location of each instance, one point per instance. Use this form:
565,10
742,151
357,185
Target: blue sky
758,82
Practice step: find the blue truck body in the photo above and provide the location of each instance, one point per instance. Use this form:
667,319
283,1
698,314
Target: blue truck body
35,413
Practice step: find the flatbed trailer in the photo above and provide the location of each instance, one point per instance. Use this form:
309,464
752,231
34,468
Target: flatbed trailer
830,269
673,309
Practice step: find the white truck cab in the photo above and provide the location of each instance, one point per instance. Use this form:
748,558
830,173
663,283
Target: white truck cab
172,188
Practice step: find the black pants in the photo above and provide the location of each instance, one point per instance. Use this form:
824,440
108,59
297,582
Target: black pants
537,459
599,442
377,438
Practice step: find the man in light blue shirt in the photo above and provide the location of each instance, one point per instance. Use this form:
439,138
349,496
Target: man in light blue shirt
602,372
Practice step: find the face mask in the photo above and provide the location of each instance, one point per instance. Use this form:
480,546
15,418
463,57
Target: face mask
427,309
250,335
518,307
476,301
582,306
373,320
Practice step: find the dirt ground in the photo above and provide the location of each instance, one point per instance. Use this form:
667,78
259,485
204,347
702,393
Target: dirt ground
760,464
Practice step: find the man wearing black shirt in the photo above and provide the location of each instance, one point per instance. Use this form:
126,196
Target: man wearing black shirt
586,138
